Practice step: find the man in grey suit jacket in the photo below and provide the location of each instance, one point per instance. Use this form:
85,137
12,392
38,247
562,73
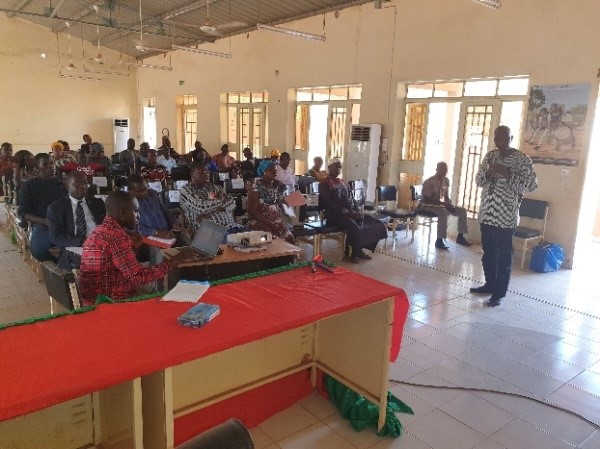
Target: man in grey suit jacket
72,218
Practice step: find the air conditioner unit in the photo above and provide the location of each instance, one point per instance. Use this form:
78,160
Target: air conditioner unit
120,134
362,156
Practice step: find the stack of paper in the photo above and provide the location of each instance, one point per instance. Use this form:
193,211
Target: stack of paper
187,291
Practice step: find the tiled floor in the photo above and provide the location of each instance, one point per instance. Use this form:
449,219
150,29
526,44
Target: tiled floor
542,342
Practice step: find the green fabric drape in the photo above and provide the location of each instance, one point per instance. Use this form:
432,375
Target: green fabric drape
362,413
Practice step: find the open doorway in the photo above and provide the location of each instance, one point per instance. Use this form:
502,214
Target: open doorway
587,244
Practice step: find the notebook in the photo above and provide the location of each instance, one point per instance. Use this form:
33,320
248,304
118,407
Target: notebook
207,240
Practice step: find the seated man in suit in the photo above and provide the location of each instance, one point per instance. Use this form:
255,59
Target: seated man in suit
154,218
108,263
435,199
72,218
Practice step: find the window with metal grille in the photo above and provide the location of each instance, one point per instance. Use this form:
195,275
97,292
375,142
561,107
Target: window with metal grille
477,126
247,121
453,121
415,127
187,118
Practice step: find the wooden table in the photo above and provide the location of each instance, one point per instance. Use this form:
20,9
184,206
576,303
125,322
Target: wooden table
234,263
135,371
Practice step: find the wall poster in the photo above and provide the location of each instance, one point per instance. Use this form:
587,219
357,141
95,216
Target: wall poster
555,120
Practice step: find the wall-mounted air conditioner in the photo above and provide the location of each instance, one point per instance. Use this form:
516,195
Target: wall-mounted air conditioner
120,134
362,156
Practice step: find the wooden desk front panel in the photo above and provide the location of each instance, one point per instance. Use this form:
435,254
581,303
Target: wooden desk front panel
204,381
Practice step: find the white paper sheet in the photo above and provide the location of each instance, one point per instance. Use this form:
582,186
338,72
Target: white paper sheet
187,291
174,196
100,181
75,249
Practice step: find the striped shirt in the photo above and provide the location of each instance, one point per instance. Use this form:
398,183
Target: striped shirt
501,197
207,201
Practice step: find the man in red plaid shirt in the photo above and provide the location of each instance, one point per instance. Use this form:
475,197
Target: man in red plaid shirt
108,263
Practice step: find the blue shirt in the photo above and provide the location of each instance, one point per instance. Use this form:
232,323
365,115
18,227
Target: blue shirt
153,215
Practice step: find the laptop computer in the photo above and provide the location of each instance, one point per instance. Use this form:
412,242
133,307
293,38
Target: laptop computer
207,240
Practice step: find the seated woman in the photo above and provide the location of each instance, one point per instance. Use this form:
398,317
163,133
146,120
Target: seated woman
265,198
362,231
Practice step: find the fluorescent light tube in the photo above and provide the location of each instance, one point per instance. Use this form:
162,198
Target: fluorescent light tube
494,4
202,51
147,66
295,33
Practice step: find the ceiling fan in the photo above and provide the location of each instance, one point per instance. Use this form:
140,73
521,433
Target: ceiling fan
139,44
210,28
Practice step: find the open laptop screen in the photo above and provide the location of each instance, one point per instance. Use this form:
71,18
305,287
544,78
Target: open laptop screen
208,238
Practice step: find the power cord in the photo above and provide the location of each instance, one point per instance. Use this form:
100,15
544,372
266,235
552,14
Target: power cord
486,390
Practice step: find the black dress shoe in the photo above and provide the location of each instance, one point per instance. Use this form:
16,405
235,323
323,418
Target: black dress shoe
494,301
440,244
483,289
363,256
463,241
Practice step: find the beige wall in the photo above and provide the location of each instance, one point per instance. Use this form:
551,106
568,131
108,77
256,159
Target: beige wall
553,42
37,107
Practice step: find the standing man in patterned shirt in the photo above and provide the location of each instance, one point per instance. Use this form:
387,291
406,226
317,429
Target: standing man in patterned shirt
504,175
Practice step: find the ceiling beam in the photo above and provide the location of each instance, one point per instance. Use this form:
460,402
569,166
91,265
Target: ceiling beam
22,4
166,16
84,22
55,10
80,15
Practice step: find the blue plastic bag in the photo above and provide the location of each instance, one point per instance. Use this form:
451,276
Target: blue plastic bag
547,257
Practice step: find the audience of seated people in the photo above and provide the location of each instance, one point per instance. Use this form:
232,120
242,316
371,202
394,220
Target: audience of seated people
35,196
223,160
154,218
265,200
316,170
201,199
108,262
283,173
341,209
72,218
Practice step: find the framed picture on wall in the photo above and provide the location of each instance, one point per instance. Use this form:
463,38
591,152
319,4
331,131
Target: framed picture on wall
555,122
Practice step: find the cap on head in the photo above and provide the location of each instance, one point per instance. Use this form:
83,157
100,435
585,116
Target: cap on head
333,161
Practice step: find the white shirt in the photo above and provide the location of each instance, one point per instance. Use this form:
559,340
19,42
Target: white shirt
285,176
89,218
167,163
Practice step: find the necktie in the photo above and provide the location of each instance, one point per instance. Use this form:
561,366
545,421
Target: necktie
80,224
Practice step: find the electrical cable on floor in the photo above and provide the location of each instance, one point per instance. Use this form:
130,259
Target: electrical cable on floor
486,390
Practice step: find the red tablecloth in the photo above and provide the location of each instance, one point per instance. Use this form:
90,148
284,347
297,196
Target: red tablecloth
49,362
